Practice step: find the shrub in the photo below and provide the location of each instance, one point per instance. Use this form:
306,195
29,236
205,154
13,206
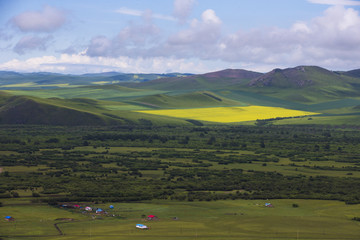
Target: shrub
34,194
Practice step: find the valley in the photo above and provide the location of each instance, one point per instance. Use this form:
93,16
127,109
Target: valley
202,152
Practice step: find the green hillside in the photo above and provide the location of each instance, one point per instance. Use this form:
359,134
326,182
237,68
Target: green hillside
24,110
79,111
104,92
306,84
188,100
207,81
353,73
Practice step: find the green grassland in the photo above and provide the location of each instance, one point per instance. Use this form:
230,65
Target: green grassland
333,95
120,108
76,111
238,219
92,92
195,99
307,88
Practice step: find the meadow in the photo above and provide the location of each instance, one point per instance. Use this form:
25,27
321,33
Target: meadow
234,219
230,114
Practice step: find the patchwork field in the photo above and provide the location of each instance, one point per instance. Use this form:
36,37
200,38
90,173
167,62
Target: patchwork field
230,114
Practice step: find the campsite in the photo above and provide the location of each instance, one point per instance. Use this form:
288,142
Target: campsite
237,219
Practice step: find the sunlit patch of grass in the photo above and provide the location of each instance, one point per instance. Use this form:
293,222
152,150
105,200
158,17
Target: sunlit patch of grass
230,114
27,84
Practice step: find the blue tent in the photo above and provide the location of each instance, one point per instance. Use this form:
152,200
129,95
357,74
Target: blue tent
99,210
9,218
141,226
111,206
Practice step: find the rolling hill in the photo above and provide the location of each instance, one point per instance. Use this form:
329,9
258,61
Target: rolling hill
335,94
207,81
29,110
188,100
302,77
72,112
353,73
306,84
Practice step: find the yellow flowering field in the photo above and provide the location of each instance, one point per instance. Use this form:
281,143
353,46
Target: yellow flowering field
229,114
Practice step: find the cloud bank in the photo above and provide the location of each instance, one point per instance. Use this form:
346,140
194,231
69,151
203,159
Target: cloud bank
331,40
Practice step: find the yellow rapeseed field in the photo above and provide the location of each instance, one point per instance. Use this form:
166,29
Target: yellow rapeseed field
229,114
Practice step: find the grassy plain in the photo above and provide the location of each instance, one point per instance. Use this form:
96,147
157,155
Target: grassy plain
238,219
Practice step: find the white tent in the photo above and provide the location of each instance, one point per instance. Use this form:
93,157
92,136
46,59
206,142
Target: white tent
88,208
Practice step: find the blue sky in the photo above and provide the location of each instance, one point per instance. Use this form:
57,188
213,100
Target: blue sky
197,36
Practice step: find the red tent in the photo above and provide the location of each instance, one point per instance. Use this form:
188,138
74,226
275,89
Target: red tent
151,216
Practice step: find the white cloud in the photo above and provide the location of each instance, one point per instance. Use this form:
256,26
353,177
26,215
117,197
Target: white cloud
182,9
99,46
336,2
140,13
133,40
200,33
209,17
129,11
332,38
30,43
47,20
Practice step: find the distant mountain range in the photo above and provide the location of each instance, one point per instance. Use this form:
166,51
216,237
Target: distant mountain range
297,77
112,97
17,80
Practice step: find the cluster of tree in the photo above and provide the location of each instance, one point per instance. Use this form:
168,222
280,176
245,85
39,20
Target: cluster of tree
184,162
